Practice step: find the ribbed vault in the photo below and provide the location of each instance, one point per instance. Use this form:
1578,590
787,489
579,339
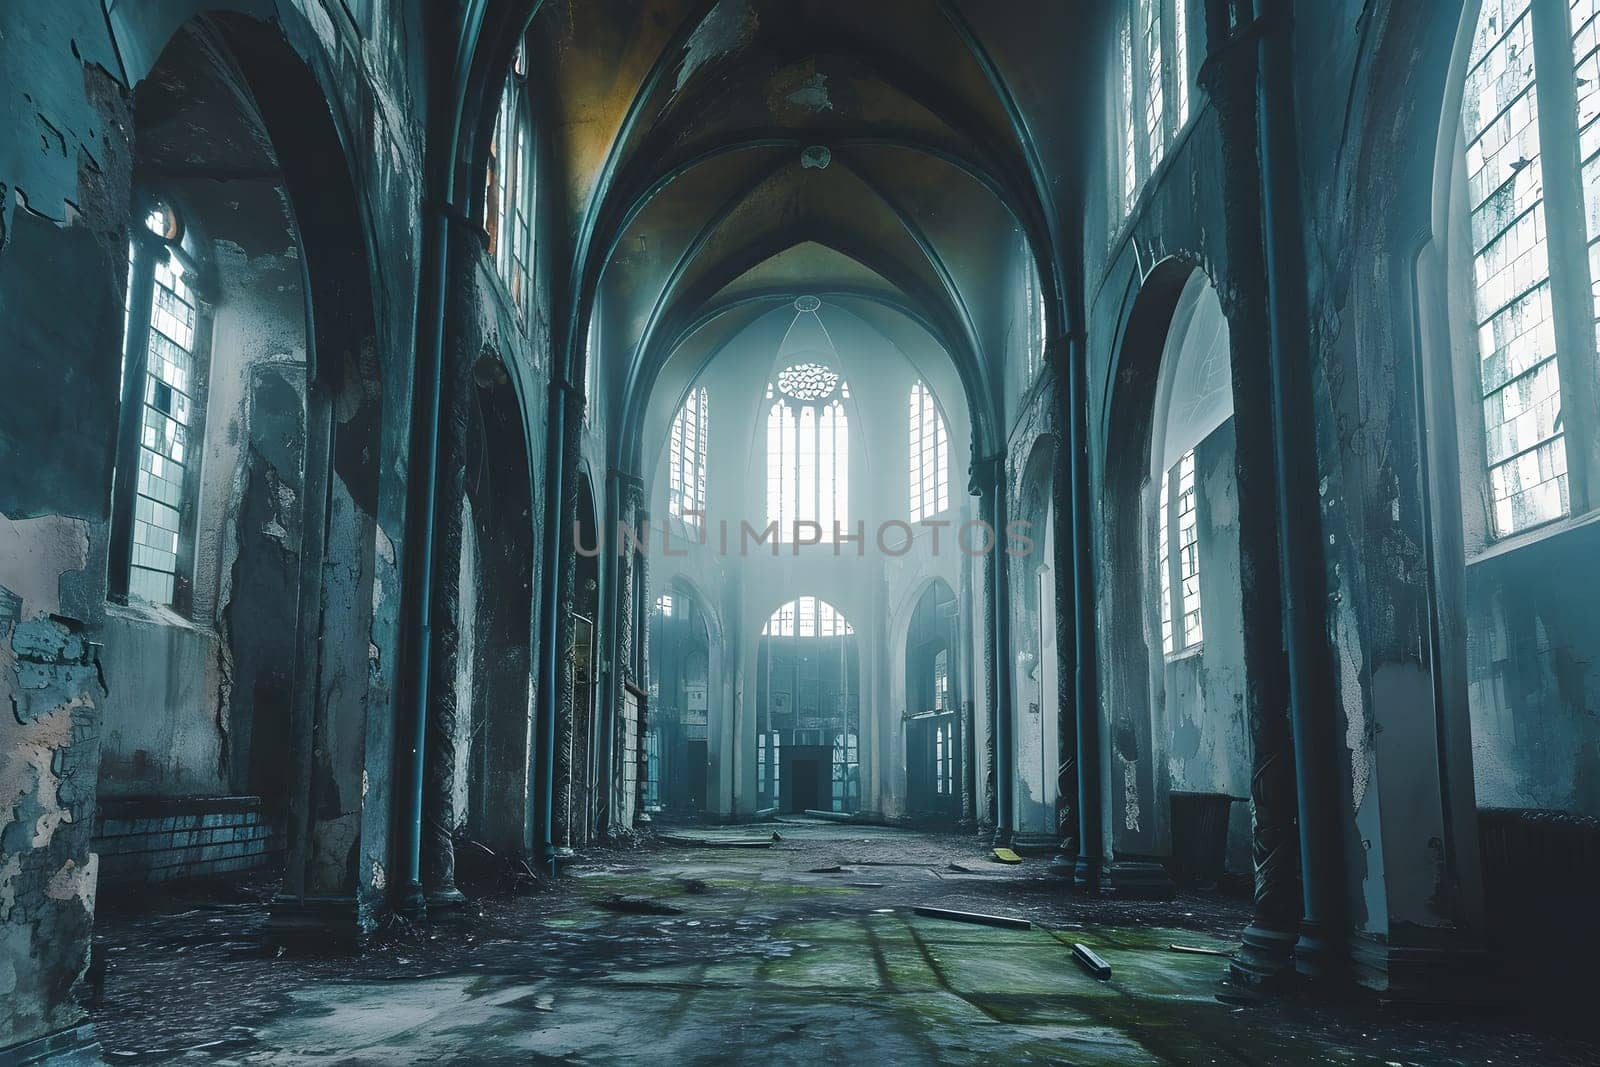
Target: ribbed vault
720,157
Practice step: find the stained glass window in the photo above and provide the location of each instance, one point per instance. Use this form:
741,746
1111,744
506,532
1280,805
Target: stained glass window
807,616
509,196
1154,71
808,450
686,459
1177,524
930,456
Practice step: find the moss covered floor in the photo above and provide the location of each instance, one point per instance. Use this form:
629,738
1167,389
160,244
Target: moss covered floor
806,951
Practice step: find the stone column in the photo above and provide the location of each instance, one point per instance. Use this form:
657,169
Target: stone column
1065,861
1229,77
989,484
439,817
966,698
621,555
639,610
1090,869
566,668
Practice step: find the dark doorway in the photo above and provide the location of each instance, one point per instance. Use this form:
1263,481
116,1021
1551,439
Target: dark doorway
695,775
919,766
677,745
808,707
808,772
933,729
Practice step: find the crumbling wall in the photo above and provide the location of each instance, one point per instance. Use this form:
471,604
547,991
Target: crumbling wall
1533,654
183,718
1207,741
63,204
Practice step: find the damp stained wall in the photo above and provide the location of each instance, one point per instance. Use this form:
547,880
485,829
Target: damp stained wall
65,162
64,159
182,720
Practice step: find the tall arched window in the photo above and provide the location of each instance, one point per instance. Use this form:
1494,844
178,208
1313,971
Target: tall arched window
153,520
508,214
1178,498
1031,313
930,456
686,460
1512,96
1153,47
808,450
807,616
1194,400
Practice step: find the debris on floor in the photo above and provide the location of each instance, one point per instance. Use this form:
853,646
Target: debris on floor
1196,950
636,905
752,954
711,841
1005,855
1007,921
1090,961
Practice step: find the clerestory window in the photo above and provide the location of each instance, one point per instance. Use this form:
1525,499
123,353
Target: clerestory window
808,450
153,509
686,459
930,456
508,198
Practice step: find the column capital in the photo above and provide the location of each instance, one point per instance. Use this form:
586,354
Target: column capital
987,473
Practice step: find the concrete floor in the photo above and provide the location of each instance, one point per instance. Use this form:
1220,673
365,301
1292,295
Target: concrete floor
766,958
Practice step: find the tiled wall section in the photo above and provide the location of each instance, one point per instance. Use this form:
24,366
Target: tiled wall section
161,839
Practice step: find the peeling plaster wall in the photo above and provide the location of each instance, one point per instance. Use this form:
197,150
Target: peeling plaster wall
48,755
1180,214
1206,737
1368,84
489,327
65,158
160,732
1533,650
467,571
1035,713
181,715
64,161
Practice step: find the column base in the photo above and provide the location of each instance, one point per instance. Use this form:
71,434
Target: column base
410,903
445,898
317,923
1320,956
1086,873
1420,976
1123,879
1265,960
1035,844
1003,837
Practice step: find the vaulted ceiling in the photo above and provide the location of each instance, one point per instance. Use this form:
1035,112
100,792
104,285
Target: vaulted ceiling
720,157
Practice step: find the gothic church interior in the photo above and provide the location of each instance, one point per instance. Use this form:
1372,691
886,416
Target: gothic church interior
926,530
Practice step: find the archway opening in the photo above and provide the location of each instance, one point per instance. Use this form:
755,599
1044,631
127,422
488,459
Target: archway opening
1180,741
247,457
1040,806
495,630
934,740
808,711
678,739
